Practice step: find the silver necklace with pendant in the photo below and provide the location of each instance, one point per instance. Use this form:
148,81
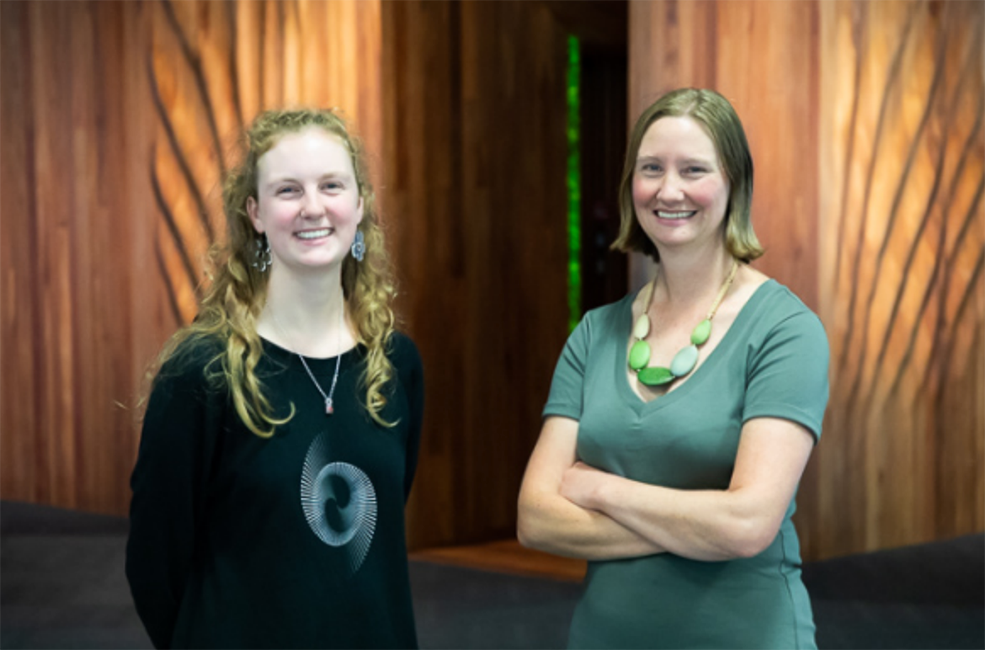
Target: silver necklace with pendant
329,407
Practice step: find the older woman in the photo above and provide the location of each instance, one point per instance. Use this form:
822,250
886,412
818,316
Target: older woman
680,418
281,435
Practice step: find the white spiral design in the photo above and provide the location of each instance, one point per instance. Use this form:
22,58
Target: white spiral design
344,492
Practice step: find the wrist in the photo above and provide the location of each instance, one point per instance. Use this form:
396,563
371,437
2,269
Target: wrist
599,496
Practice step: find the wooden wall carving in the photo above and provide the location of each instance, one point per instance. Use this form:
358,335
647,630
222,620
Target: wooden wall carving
902,245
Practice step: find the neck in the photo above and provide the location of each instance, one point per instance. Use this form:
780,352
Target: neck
303,314
686,277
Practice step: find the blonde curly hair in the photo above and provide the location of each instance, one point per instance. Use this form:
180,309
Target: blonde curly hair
237,294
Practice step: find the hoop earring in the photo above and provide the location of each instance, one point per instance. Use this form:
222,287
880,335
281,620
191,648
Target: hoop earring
359,246
261,254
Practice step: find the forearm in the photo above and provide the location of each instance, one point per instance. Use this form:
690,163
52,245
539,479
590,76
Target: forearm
553,524
707,525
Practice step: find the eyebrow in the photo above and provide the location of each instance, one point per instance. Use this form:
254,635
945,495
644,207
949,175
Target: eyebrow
686,161
326,176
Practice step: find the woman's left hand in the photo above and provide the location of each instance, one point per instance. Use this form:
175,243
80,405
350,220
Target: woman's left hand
580,485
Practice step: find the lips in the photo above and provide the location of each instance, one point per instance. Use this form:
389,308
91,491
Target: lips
314,234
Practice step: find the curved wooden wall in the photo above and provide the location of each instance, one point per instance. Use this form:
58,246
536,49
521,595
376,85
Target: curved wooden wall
865,124
903,245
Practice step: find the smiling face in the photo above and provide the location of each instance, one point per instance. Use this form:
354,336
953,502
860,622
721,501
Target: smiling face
680,192
308,201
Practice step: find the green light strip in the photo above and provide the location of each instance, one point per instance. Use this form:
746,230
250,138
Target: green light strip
574,185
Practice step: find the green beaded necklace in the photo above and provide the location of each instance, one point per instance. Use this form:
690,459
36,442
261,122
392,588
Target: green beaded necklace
685,360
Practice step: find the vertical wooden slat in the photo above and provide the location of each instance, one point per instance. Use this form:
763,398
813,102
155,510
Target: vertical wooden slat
475,217
418,169
21,383
50,31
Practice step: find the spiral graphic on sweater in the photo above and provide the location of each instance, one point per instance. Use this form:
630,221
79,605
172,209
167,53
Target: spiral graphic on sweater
339,502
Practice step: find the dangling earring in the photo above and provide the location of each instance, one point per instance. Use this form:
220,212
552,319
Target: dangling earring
261,253
359,246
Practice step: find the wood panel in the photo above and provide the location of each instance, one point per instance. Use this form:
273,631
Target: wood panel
865,124
67,225
476,192
902,244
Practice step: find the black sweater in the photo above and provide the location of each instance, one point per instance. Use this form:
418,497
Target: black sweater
288,542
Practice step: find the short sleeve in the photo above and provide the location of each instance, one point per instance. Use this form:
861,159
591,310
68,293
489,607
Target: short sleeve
788,374
567,387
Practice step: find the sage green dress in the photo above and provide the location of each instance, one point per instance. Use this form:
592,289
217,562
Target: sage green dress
772,362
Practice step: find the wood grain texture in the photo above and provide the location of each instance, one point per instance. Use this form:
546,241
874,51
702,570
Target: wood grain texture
902,241
67,218
475,191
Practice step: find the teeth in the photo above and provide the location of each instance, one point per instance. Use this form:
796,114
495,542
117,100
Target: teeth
674,215
314,234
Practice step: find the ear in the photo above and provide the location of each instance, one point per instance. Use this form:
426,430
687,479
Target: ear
252,209
359,210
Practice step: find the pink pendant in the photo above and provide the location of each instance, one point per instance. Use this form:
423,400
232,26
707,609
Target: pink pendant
328,406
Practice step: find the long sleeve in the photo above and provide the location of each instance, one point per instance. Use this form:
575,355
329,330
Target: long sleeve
414,387
169,484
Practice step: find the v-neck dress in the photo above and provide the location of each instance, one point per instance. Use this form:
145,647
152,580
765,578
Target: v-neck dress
772,362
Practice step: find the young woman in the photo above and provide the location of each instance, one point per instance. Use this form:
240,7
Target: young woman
681,418
281,435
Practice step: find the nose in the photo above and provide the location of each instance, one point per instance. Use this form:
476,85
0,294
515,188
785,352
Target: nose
310,206
671,189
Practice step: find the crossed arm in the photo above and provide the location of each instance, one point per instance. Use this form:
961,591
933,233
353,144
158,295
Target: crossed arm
569,508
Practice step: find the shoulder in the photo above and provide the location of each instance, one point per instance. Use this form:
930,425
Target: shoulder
779,317
192,362
781,306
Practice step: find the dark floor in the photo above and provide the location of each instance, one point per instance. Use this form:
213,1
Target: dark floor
62,586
